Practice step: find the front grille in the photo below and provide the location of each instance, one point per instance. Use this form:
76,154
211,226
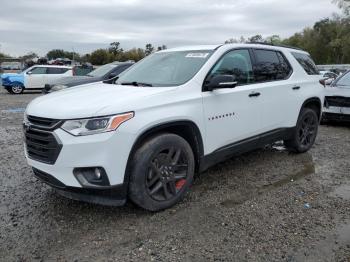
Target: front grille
43,123
41,143
337,101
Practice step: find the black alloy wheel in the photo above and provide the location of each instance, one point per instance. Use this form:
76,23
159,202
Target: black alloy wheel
161,172
167,174
307,130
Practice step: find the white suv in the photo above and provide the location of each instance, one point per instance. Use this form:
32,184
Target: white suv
177,112
34,78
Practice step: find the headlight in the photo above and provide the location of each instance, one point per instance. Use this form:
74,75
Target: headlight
58,87
90,126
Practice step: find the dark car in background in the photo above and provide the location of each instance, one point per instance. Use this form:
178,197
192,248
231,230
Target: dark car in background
101,73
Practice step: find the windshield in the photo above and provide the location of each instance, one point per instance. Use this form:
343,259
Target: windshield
102,70
344,80
166,68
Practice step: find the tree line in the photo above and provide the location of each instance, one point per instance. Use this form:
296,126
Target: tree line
106,55
328,41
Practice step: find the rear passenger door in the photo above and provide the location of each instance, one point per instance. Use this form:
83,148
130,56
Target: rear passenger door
271,71
55,73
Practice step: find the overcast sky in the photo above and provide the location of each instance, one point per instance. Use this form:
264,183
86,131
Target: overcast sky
42,25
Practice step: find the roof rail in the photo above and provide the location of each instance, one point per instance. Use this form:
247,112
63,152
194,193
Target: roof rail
277,45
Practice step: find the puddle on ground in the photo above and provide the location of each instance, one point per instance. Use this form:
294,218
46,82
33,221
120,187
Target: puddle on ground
308,169
342,191
240,197
14,110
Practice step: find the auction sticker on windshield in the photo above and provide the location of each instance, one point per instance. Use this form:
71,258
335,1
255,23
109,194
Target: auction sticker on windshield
197,55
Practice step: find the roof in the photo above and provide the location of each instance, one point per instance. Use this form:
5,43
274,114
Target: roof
55,66
235,45
194,47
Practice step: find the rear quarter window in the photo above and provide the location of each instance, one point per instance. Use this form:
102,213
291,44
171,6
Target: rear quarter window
307,63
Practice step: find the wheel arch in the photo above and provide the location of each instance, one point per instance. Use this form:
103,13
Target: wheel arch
186,129
17,83
313,103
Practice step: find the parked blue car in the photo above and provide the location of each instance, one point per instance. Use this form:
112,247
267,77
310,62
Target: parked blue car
13,82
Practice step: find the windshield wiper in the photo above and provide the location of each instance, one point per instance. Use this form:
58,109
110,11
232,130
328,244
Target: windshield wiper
135,84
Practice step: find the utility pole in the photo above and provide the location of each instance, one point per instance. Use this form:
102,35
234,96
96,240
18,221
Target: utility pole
73,54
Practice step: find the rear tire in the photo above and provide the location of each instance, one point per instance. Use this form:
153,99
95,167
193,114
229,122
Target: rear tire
305,132
162,172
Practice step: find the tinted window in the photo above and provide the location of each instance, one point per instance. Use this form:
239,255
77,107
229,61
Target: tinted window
38,70
118,70
270,66
236,63
56,70
102,70
307,63
166,68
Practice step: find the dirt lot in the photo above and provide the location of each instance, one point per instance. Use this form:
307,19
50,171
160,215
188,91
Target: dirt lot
267,205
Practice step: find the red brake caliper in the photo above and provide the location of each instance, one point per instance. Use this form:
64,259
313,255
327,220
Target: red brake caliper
180,183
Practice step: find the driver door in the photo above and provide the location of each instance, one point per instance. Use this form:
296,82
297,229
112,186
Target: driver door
35,78
232,114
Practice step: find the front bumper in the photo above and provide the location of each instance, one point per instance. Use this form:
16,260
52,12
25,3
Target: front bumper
334,113
111,196
108,150
336,117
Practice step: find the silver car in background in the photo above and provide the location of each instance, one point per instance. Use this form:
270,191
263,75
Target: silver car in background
337,99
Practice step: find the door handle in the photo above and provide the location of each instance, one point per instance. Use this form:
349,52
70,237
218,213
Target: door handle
254,94
296,88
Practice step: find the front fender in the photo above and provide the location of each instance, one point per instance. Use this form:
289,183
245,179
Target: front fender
12,80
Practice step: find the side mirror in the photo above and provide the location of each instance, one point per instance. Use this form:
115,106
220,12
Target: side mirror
29,72
221,81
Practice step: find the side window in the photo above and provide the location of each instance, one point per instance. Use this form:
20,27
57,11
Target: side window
236,63
307,63
270,66
56,70
38,71
116,71
344,80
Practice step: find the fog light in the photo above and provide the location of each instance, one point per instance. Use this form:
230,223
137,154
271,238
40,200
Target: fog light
91,177
98,173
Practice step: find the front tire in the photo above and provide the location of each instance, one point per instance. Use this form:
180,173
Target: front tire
162,172
17,89
305,132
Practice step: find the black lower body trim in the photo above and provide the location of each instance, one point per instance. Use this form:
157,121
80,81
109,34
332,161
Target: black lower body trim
112,196
336,117
245,146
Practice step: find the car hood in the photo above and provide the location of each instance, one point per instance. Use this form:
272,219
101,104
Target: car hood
76,80
4,75
92,100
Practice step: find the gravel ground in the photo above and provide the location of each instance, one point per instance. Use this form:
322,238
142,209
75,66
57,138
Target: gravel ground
268,205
